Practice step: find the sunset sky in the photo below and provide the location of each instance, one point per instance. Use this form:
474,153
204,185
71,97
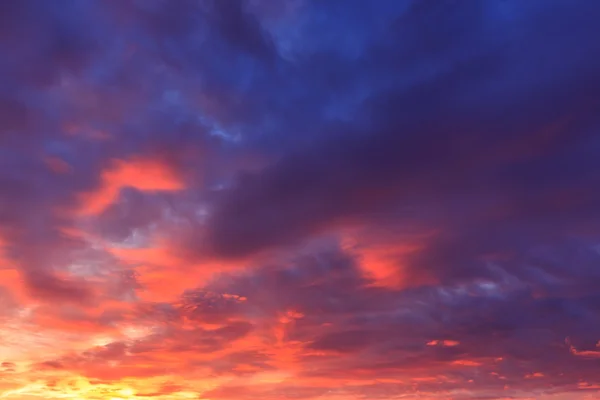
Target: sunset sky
299,199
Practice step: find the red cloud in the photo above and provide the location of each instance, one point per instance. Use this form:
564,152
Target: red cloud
138,173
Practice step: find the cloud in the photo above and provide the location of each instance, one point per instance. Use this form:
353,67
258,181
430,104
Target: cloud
424,135
146,175
342,200
318,322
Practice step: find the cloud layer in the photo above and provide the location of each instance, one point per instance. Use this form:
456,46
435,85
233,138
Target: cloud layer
233,199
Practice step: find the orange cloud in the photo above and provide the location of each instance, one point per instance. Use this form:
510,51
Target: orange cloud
444,343
10,277
163,273
381,263
467,363
138,173
534,375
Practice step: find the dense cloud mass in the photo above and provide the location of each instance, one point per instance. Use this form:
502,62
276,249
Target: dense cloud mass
299,199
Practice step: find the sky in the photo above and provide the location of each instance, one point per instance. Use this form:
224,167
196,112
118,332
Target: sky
299,199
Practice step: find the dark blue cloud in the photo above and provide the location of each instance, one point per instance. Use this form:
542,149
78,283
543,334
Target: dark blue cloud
479,111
